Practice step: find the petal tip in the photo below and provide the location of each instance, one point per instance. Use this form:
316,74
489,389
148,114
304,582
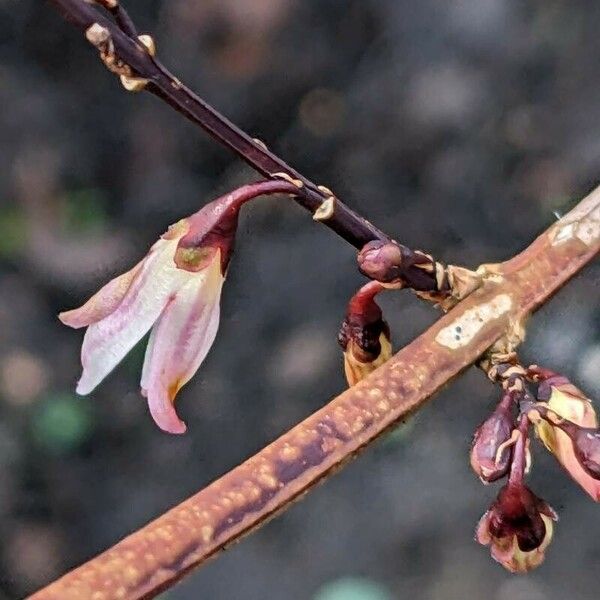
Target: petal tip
70,319
83,387
163,412
178,429
171,425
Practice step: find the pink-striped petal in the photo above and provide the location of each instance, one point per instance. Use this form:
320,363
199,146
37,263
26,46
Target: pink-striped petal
102,303
179,343
108,341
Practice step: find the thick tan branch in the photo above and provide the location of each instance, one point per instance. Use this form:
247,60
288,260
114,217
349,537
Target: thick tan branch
155,557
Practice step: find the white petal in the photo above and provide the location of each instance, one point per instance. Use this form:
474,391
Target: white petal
108,341
102,303
179,343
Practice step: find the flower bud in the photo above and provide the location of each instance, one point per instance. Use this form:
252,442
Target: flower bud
569,404
491,450
364,335
518,528
586,444
585,440
381,261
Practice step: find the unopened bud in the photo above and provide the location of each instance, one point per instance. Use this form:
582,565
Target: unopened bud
381,261
491,451
364,335
585,440
568,428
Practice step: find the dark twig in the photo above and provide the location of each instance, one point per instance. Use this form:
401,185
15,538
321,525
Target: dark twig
162,83
132,57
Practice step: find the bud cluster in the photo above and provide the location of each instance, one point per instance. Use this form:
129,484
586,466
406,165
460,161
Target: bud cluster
518,526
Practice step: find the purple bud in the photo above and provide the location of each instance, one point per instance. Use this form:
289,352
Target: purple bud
381,261
518,526
587,450
491,452
586,443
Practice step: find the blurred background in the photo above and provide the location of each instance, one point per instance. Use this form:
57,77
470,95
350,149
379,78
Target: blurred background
458,126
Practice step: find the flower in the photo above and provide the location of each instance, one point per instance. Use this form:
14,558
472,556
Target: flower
518,527
175,291
364,335
568,403
491,450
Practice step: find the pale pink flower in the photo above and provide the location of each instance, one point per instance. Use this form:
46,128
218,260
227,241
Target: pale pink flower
174,291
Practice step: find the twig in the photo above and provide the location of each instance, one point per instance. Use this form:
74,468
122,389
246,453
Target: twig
344,221
133,58
159,554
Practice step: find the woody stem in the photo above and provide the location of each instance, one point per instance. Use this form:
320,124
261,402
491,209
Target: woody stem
128,51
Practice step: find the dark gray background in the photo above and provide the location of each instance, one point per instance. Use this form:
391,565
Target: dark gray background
457,126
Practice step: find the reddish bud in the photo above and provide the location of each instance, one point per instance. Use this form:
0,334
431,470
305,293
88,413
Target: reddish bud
518,527
381,261
491,450
585,440
568,404
364,335
397,266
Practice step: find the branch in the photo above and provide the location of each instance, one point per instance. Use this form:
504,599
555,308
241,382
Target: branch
133,58
159,554
131,53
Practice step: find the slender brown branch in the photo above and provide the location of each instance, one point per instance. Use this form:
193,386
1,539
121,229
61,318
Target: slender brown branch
159,554
133,58
162,83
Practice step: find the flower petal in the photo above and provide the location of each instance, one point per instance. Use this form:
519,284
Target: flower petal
179,343
482,533
108,341
102,303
